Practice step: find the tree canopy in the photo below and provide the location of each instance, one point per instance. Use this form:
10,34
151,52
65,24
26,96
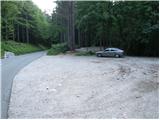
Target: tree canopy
129,25
132,26
23,21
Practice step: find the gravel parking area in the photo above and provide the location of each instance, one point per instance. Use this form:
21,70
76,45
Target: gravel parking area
68,86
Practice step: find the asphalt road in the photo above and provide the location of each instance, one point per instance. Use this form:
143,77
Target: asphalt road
10,67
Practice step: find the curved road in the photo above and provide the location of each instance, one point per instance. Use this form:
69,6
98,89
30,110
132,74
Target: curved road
10,67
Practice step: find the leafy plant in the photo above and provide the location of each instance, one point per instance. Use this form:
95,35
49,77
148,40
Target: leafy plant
57,49
18,48
86,53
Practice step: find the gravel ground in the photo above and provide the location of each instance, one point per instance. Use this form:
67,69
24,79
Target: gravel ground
67,86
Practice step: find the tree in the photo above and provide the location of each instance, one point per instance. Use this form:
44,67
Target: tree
24,22
63,17
71,36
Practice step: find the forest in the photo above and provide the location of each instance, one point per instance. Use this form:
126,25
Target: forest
130,25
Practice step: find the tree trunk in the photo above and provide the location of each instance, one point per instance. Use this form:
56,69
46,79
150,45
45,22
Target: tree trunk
13,35
6,29
27,32
13,32
68,31
103,38
23,37
79,39
18,32
73,28
71,38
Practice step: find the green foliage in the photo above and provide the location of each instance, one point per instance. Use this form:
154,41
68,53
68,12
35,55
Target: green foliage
86,53
18,48
42,47
132,26
1,51
18,17
57,49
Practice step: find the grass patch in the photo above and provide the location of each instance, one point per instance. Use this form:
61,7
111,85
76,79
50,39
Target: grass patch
1,51
85,53
57,49
18,48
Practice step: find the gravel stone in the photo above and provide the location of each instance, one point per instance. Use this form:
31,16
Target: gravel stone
68,86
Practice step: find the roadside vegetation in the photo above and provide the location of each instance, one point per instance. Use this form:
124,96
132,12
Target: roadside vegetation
23,21
24,27
57,49
1,51
84,53
129,25
18,48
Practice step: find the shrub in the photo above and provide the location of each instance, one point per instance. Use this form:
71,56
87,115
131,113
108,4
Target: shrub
85,53
1,51
57,49
42,47
17,48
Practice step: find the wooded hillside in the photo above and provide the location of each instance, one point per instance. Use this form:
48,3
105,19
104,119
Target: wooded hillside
22,21
132,26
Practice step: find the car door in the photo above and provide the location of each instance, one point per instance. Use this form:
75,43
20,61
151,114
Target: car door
107,52
112,52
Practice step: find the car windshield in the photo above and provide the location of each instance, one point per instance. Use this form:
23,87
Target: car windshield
106,49
112,49
115,49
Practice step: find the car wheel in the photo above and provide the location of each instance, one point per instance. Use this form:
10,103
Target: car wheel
99,55
117,56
